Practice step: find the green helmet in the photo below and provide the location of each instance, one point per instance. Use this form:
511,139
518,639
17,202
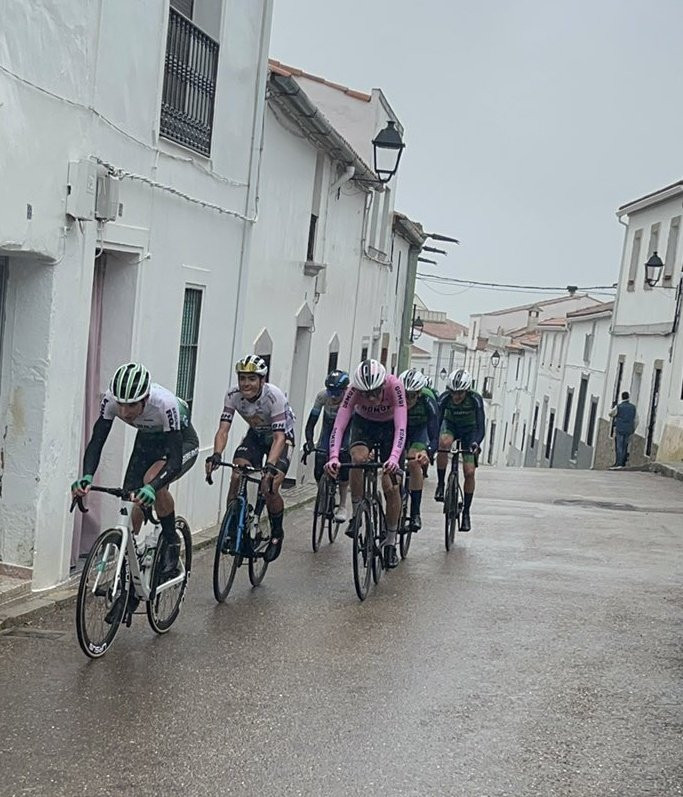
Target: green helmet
130,383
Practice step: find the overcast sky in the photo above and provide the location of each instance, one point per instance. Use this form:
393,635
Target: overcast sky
528,122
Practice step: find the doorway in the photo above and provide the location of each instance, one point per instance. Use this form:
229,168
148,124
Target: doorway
299,373
654,401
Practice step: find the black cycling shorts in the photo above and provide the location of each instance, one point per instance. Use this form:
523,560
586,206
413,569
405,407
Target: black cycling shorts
372,433
255,448
150,447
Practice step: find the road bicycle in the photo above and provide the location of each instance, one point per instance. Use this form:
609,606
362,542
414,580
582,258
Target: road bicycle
241,536
325,506
405,526
120,571
369,526
453,499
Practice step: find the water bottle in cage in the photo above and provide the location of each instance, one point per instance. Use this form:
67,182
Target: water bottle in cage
147,548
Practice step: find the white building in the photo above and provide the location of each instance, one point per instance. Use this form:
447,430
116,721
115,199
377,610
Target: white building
328,278
646,355
129,151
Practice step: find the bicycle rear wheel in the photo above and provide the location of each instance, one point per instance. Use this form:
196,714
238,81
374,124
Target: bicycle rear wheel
319,511
405,529
163,606
450,508
225,563
96,597
363,549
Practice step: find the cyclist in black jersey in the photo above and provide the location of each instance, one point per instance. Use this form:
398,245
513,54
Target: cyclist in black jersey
271,435
327,403
462,418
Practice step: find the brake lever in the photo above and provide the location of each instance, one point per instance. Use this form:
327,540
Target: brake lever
78,501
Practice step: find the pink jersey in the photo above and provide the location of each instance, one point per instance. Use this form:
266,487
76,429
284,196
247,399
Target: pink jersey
390,407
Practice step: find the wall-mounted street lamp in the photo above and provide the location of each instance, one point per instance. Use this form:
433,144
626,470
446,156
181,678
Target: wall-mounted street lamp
653,270
495,359
387,147
443,373
417,325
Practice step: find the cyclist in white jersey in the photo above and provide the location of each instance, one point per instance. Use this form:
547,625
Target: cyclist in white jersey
166,447
271,435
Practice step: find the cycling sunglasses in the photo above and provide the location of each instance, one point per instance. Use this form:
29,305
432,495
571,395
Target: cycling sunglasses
376,393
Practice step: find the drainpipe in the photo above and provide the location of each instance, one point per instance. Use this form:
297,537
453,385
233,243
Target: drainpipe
409,298
251,201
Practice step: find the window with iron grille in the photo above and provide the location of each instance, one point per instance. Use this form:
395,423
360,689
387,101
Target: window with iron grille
189,84
189,343
591,421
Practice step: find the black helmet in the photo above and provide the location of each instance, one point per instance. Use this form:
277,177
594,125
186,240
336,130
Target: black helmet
337,381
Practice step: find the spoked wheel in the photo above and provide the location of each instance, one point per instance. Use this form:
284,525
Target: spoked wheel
225,563
319,512
450,508
460,505
406,532
380,525
257,570
363,549
96,599
164,604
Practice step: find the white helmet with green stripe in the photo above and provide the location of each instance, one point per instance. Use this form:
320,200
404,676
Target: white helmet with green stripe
130,383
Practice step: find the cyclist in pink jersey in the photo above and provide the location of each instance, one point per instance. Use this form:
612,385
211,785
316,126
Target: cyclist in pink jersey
375,406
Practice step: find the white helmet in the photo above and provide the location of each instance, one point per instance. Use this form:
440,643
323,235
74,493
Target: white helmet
251,364
130,383
369,375
413,380
459,380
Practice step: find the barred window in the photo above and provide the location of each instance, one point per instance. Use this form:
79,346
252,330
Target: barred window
189,344
189,89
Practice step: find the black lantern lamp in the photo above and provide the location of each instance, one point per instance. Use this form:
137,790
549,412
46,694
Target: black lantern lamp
495,359
653,269
387,147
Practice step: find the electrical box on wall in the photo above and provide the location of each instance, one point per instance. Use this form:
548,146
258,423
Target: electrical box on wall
107,198
81,190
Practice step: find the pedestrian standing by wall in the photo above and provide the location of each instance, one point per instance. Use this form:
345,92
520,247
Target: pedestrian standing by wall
625,422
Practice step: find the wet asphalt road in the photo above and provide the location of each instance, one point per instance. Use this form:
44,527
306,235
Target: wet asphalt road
542,656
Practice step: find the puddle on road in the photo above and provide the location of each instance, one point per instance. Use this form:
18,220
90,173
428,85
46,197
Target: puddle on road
614,506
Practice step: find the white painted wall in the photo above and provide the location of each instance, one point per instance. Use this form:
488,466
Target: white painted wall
86,82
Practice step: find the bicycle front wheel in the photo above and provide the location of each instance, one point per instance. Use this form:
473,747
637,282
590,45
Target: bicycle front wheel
450,509
164,604
405,529
97,618
380,528
363,549
226,562
319,511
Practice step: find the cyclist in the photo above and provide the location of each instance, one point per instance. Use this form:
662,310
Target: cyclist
375,407
271,435
166,447
327,402
462,418
422,436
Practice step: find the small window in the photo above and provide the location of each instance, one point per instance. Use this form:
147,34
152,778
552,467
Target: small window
590,434
534,425
635,257
568,409
332,361
672,249
310,250
487,390
587,347
364,352
549,438
189,344
184,6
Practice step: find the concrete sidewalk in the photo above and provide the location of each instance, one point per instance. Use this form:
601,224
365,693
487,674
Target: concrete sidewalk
673,470
25,606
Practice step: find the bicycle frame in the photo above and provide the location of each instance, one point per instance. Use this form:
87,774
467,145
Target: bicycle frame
242,498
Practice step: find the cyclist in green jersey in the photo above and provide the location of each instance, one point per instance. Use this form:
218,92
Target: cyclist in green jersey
463,419
422,437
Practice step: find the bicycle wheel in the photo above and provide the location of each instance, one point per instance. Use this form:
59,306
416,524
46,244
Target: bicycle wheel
380,527
450,508
319,511
332,524
460,504
163,606
96,597
225,564
405,530
363,549
257,570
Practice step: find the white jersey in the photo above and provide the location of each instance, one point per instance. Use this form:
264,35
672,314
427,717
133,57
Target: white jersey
268,413
163,412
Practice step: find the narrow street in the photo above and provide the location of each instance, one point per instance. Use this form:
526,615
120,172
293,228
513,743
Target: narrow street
542,656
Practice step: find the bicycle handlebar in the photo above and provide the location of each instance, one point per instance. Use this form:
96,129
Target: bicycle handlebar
117,492
246,469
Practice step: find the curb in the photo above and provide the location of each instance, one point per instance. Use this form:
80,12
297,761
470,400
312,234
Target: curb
36,605
658,468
